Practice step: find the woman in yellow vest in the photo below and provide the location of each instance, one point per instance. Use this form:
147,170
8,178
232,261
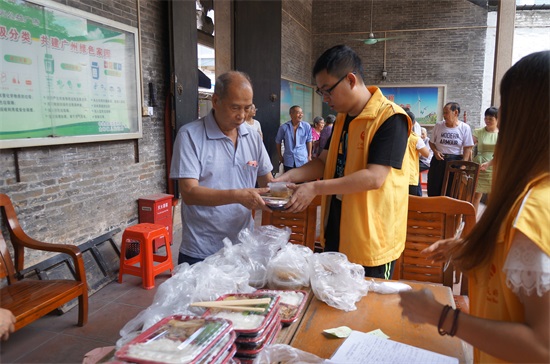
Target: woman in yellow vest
507,254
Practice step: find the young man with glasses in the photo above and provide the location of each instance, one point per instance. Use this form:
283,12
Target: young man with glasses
364,175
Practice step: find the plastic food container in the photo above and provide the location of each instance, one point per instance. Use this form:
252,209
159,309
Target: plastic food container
277,283
279,189
254,342
219,352
276,203
226,357
245,355
177,339
247,323
290,305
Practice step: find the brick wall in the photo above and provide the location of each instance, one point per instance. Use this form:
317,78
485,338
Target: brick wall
73,193
296,41
451,52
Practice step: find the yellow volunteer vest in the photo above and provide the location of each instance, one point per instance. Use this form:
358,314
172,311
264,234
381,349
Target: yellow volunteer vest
490,297
413,159
373,223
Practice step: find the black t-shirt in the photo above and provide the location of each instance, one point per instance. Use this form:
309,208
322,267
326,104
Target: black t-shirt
387,148
388,143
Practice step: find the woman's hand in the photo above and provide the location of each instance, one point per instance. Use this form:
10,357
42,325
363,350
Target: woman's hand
420,306
440,251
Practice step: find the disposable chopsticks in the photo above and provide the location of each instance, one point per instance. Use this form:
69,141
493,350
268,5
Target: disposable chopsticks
236,308
243,302
236,305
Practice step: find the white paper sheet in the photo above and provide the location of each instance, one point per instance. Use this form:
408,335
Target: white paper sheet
360,347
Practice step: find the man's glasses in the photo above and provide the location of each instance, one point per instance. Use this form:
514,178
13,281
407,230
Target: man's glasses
328,91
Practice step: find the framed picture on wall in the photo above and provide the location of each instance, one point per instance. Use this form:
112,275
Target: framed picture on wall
425,101
66,76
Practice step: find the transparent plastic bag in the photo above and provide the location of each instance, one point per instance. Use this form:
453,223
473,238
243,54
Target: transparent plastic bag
286,354
388,287
336,281
289,268
227,271
257,248
189,284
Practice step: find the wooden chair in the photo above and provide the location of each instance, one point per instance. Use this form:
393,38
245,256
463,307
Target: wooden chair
429,220
303,224
30,299
460,180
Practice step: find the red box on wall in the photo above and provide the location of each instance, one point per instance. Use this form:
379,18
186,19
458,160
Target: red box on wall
157,209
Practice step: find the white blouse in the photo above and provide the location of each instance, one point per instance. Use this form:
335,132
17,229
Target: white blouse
527,269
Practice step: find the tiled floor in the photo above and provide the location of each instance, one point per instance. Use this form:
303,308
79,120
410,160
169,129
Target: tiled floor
57,339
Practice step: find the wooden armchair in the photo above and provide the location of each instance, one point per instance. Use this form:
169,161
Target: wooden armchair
460,180
30,299
303,224
431,219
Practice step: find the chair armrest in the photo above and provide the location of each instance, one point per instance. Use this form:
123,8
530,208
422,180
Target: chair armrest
21,241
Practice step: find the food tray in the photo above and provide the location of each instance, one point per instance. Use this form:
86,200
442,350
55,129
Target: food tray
290,304
176,339
230,356
226,356
253,342
247,323
218,353
244,354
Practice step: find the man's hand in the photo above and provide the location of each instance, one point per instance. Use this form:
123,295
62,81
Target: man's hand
301,197
251,199
438,155
7,323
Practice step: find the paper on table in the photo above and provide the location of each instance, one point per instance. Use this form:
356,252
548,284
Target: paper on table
341,332
360,347
378,333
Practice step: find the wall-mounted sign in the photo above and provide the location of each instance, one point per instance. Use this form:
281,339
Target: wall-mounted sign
66,76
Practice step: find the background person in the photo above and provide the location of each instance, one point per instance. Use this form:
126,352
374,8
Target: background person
362,169
253,123
318,125
451,140
326,133
217,160
507,254
296,136
485,139
416,148
425,161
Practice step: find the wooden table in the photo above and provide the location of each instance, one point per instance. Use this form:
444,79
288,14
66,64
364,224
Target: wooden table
374,311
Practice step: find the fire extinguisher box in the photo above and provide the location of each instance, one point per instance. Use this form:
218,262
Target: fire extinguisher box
157,209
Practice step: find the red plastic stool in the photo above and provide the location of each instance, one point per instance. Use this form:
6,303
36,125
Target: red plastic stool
424,180
144,234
